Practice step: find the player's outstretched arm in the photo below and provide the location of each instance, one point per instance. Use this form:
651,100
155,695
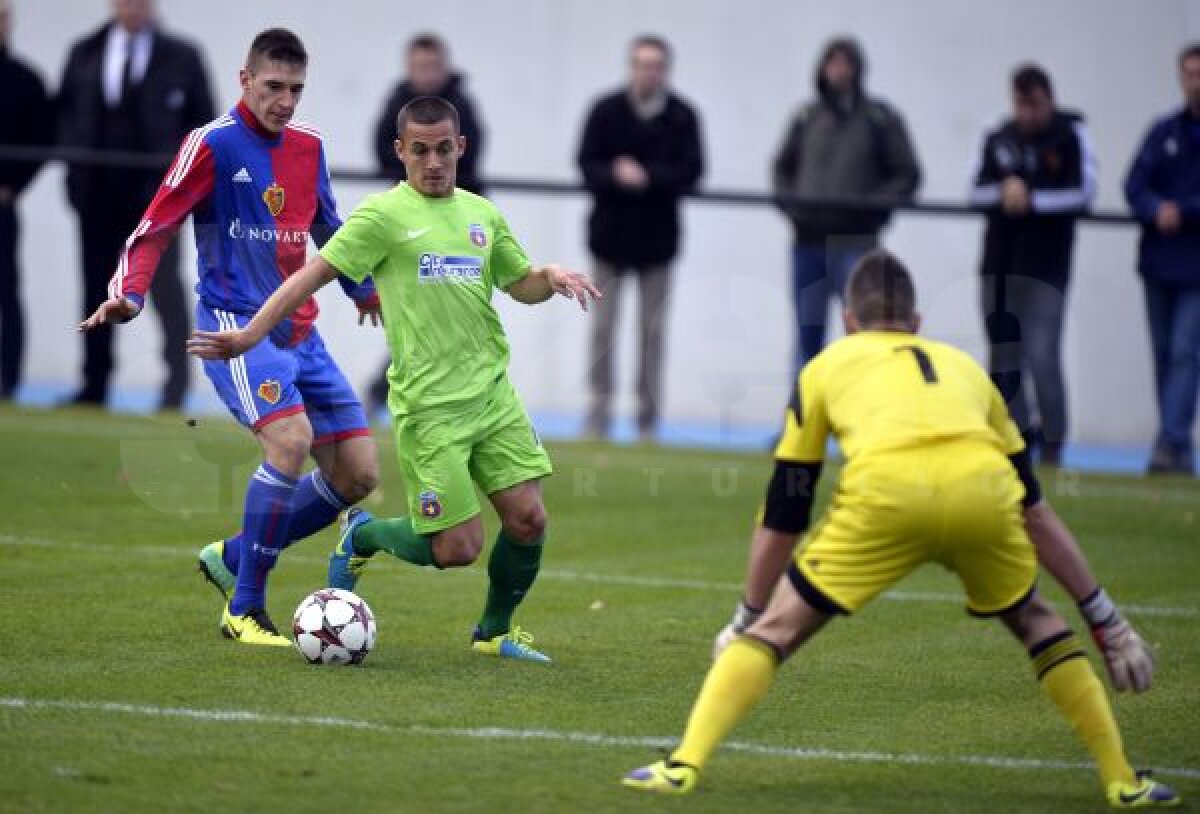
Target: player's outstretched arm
1129,660
543,282
286,299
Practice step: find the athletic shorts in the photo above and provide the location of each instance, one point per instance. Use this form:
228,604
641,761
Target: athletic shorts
268,383
955,504
445,452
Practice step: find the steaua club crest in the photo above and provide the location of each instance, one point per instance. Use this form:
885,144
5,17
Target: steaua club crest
273,198
478,235
270,391
431,507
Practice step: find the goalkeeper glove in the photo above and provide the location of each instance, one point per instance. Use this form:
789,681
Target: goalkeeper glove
743,617
1127,657
1129,660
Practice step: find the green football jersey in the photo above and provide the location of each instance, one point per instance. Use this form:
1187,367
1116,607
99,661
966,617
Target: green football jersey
435,262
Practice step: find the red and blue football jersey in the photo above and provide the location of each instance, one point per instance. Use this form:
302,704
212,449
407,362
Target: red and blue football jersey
255,197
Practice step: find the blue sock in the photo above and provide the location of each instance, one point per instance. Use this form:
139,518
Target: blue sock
315,504
264,534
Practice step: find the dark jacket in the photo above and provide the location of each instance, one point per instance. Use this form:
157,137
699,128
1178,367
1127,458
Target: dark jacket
639,228
469,125
26,119
1167,168
1059,169
853,147
172,99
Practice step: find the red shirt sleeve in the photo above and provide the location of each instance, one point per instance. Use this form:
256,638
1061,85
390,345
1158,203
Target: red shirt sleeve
186,184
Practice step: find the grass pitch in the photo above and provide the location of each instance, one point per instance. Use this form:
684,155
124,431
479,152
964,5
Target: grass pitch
117,693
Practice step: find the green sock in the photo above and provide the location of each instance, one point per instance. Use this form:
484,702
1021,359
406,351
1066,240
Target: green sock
395,536
512,569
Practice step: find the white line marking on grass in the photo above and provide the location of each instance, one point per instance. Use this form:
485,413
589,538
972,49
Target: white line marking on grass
238,715
644,582
897,596
584,738
565,575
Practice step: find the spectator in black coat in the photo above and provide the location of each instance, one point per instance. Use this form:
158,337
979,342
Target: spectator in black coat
640,153
129,86
26,119
428,74
1036,174
1163,189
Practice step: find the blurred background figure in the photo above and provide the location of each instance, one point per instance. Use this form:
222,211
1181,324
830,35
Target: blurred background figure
1036,173
129,86
1163,189
26,120
842,144
428,72
640,153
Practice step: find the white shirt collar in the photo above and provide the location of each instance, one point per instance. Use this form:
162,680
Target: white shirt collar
115,46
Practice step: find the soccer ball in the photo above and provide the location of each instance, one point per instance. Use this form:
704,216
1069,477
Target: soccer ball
332,626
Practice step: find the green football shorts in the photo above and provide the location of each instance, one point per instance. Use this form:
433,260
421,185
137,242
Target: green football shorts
444,453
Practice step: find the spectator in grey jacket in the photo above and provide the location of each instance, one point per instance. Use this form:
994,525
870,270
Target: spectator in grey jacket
842,144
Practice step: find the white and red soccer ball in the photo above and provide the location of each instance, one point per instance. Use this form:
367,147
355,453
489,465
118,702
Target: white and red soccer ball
333,626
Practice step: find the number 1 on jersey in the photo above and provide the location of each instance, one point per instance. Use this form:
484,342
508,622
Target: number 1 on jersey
923,362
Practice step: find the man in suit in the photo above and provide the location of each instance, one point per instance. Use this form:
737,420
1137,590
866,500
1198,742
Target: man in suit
132,87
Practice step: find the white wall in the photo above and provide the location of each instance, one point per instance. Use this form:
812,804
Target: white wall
535,65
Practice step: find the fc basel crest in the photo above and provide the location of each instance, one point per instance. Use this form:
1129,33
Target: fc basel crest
431,507
478,235
270,391
273,198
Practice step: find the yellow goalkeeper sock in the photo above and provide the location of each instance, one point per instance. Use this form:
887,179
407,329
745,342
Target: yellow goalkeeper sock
1069,680
735,683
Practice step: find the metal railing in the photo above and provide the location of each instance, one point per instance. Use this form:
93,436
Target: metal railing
148,161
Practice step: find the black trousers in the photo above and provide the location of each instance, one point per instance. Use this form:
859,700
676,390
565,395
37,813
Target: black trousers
12,319
104,228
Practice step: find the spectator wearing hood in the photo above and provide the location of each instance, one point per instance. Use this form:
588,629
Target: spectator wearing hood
842,144
1036,173
1163,189
429,74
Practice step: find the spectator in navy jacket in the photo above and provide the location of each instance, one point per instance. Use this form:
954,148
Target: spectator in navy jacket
1163,188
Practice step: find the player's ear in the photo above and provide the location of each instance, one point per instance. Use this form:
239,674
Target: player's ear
916,323
398,146
849,322
462,145
245,78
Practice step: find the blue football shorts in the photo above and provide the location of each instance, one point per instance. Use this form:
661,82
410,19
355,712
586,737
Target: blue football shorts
268,383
